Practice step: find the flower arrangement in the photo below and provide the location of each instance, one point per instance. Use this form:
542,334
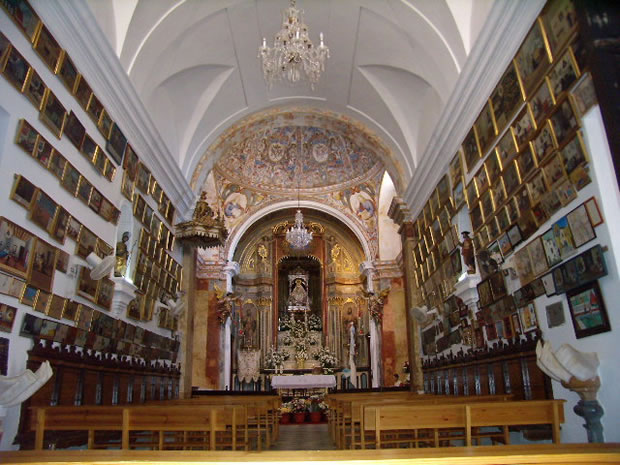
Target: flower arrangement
285,408
314,403
298,405
301,354
323,406
315,323
327,359
275,357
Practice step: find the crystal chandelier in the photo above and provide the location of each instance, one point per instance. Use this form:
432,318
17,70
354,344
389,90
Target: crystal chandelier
293,56
298,236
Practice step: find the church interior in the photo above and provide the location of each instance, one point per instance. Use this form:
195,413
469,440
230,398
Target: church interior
363,229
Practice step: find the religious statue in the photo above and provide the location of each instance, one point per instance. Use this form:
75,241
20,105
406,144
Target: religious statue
203,210
225,304
467,251
122,254
299,294
376,303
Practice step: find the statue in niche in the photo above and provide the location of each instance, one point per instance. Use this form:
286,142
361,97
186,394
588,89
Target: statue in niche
122,254
299,294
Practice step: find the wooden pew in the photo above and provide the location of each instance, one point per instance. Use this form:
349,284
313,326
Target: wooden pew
403,424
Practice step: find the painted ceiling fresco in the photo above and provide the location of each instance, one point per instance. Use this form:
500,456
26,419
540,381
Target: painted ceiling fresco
285,158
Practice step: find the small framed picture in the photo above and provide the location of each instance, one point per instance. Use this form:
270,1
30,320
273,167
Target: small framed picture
139,207
71,179
15,249
471,194
527,317
100,161
16,69
53,113
566,192
552,249
23,191
542,103
551,202
95,201
116,144
471,151
7,317
56,306
127,187
130,163
59,228
143,179
43,210
544,142
24,17
563,74
26,137
84,190
498,285
564,237
87,287
48,48
504,243
587,310
537,187
477,218
532,59
484,293
523,128
458,195
105,293
62,261
506,149
31,326
560,20
548,283
34,88
512,210
537,256
564,122
554,170
506,97
73,228
584,95
593,212
580,177
485,128
523,266
498,193
574,153
57,164
82,92
555,314
43,266
43,300
527,162
89,148
29,295
579,223
87,243
105,124
67,72
511,178
455,171
94,108
70,311
85,315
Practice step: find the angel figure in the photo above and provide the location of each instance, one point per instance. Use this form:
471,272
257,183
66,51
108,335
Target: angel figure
376,303
225,304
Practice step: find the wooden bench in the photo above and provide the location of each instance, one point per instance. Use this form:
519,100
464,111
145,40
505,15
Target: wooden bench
182,427
415,424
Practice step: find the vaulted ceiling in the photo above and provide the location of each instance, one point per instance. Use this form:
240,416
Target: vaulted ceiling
194,65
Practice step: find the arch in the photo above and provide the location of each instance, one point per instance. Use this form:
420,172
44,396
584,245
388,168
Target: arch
287,204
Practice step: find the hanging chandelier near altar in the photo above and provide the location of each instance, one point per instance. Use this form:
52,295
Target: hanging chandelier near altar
298,236
293,56
204,230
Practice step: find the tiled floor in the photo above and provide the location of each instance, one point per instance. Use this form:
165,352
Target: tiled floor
304,437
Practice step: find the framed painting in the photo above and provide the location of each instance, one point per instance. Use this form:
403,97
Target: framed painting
554,170
26,137
579,223
23,16
584,95
89,148
73,228
541,103
53,113
87,287
116,144
527,162
31,326
110,171
23,191
147,218
100,161
482,181
560,21
563,74
85,315
493,230
29,295
56,306
512,210
564,237
43,266
498,193
504,243
42,151
105,293
62,261
532,59
127,187
548,284
551,202
493,168
580,177
544,142
16,288
537,256
87,242
59,228
48,49
528,318
82,92
163,206
495,253
67,72
43,300
498,285
503,221
7,317
485,128
523,266
458,195
523,128
471,150
471,194
477,217
139,207
57,164
34,88
511,178
506,97
43,210
506,149
552,250
564,122
574,154
587,310
94,108
143,179
593,212
443,190
131,162
486,201
95,201
108,211
71,179
537,187
16,69
484,293
455,171
84,190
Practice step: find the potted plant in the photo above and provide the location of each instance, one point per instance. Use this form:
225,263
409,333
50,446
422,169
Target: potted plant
298,407
285,413
314,407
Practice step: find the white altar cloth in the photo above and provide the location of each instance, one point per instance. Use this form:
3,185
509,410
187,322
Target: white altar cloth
303,381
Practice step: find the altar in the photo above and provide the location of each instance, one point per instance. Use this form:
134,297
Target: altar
303,382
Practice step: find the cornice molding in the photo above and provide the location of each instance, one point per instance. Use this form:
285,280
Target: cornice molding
76,29
497,43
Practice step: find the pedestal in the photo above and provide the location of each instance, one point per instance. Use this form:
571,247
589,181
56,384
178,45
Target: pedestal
124,292
588,407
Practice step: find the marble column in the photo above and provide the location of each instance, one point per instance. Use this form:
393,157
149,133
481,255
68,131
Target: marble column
368,269
231,269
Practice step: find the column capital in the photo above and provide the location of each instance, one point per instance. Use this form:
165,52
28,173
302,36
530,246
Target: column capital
367,268
231,269
398,211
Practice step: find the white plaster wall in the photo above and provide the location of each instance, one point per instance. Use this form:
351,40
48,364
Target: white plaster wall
389,240
13,160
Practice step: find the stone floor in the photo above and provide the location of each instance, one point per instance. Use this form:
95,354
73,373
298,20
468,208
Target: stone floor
305,436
